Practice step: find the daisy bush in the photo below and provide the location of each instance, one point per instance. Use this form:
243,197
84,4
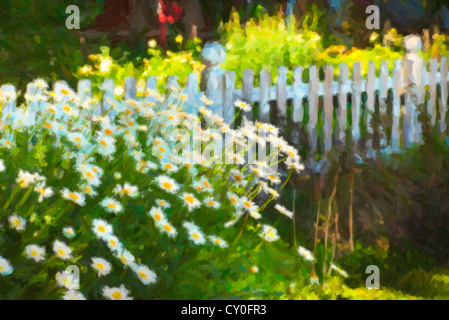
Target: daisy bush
132,195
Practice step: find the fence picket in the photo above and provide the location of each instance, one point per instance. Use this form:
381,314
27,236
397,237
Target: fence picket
214,91
356,100
130,88
409,105
342,102
247,90
192,93
313,107
396,111
431,106
281,93
152,83
84,90
444,94
108,87
328,107
264,95
383,87
228,99
298,96
370,105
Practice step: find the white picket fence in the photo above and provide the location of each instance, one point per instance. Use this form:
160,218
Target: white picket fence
220,87
403,81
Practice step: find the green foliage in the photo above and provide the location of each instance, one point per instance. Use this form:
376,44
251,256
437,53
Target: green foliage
113,64
34,41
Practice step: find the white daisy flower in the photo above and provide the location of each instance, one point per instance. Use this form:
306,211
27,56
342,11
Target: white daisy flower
255,215
69,232
25,179
167,184
306,254
284,211
238,177
269,233
76,197
43,191
62,250
166,227
113,243
116,293
234,199
17,222
73,295
126,190
157,214
162,203
145,274
101,228
248,205
67,280
111,205
211,203
35,252
101,266
242,105
342,272
5,267
218,242
195,233
126,257
190,200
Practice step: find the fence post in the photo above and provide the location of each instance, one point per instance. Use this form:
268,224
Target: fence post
213,55
414,83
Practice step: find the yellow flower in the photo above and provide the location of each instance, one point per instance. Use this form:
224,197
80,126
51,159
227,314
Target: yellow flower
179,39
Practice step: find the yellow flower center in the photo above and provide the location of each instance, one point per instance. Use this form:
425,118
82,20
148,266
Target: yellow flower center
167,185
117,295
73,196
